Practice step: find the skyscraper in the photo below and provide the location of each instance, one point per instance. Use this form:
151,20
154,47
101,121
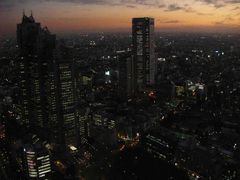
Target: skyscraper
46,83
66,127
144,62
36,46
36,162
84,94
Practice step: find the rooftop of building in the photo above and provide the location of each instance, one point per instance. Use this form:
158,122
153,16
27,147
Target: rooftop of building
28,19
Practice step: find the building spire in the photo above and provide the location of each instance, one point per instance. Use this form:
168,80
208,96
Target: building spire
24,16
31,17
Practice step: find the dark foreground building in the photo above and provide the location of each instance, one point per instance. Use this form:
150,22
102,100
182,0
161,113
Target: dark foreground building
37,162
36,45
46,83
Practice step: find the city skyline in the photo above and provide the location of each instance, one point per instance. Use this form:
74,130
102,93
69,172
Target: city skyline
115,16
118,106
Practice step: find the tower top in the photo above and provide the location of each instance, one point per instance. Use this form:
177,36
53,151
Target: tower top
28,19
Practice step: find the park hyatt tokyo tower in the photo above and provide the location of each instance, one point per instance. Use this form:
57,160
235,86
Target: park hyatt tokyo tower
144,62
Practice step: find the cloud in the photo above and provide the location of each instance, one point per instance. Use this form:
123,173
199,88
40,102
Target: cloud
169,21
174,7
204,14
226,20
149,3
219,23
156,3
161,6
87,2
236,8
232,1
186,8
167,6
220,3
131,6
8,4
215,3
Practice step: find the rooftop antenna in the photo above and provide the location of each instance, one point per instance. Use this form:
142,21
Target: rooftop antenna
31,13
23,12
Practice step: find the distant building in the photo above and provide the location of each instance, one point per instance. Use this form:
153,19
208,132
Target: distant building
84,94
124,70
159,146
103,127
166,90
84,82
144,62
65,128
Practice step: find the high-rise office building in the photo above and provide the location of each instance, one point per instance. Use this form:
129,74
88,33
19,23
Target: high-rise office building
66,126
84,94
36,162
144,62
46,83
36,46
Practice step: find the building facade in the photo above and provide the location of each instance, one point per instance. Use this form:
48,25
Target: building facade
67,123
144,62
46,83
36,46
37,162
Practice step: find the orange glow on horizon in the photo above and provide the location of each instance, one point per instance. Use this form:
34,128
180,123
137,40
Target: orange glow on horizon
72,17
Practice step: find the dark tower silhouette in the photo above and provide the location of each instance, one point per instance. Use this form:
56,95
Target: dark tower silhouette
46,82
36,47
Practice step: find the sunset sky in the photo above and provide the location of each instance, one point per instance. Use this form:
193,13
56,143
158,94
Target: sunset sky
115,15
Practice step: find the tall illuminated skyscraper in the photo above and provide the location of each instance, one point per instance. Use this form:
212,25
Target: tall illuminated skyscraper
37,162
66,127
144,62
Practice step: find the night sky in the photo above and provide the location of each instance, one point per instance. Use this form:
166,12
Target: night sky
115,15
